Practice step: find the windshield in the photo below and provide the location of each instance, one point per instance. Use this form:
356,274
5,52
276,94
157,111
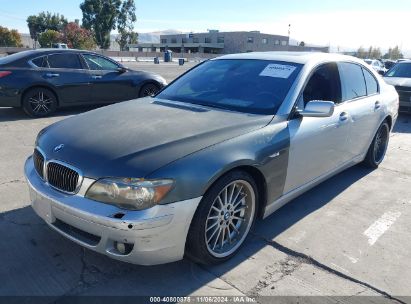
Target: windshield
250,86
400,70
368,61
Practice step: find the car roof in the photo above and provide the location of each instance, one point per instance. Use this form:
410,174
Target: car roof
56,50
294,57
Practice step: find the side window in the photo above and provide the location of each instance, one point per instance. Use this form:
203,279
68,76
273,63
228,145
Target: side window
353,81
324,84
99,63
40,62
64,61
371,82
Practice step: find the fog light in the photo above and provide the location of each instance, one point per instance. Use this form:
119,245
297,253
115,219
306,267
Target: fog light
123,248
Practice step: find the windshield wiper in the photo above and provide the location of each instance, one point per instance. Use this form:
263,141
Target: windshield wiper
212,105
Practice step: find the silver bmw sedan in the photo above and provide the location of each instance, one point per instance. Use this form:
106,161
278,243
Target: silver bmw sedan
189,171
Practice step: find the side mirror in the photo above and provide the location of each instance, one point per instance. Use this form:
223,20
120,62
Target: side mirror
318,108
381,72
121,70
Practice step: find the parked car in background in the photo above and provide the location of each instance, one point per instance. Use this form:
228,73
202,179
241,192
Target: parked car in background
377,65
59,46
400,77
190,170
40,81
388,64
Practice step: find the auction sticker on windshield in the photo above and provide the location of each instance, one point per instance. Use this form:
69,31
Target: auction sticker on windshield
278,70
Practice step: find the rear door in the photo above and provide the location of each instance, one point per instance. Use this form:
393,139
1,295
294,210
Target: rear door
108,84
361,93
67,74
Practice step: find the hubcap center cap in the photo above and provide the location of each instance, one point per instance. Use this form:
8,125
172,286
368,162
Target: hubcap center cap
226,216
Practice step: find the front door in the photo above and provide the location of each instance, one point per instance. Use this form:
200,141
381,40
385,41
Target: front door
318,145
108,83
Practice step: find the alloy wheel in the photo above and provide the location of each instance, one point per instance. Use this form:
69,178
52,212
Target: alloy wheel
40,103
149,90
381,144
230,218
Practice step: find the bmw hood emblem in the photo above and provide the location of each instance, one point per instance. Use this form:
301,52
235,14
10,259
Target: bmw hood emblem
58,148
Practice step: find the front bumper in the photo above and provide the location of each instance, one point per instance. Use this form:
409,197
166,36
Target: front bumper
157,235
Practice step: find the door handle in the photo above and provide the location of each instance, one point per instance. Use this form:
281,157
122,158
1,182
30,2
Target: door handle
377,105
51,75
343,116
96,77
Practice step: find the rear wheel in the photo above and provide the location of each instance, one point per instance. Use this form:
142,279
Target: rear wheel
39,102
378,148
223,219
149,89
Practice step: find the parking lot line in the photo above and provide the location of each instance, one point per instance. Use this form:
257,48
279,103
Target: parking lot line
380,226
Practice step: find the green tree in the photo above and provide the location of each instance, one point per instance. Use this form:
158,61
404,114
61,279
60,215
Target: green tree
45,21
125,24
47,38
376,53
361,53
396,53
100,16
10,37
388,54
78,37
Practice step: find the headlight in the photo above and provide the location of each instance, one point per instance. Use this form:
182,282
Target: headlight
130,193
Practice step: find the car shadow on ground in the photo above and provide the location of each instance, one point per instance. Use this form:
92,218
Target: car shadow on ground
17,114
38,261
403,124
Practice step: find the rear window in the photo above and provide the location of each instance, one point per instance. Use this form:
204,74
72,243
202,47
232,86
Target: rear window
14,57
64,61
250,86
371,82
40,62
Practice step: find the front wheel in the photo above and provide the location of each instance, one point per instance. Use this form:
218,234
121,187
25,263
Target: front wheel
149,89
378,147
223,219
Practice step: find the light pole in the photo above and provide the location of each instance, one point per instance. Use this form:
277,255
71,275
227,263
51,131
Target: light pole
289,34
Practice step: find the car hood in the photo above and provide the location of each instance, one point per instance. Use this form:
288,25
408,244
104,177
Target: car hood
398,81
137,137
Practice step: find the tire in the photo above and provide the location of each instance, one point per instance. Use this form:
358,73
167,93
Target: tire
378,147
39,102
149,89
215,237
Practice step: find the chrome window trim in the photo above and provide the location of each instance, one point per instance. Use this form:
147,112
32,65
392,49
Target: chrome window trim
55,161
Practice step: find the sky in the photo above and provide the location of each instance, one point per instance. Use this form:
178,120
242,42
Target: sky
343,25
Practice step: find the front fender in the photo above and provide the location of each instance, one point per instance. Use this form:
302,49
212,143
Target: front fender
265,149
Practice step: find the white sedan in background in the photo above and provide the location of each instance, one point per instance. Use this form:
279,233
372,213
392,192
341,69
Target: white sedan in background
377,65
